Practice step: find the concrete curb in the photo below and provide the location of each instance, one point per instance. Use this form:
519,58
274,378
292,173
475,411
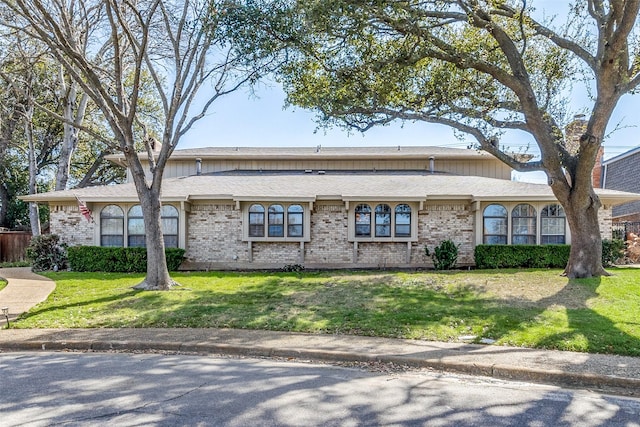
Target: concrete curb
612,384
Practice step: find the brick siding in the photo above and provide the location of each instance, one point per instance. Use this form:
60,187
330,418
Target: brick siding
214,238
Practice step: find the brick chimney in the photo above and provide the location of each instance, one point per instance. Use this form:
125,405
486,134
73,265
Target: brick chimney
574,130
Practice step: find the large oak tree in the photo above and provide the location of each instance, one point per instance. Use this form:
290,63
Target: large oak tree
187,48
480,67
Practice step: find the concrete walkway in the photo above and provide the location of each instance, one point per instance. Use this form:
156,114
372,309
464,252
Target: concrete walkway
611,373
25,290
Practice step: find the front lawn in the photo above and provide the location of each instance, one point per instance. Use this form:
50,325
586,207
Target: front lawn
533,308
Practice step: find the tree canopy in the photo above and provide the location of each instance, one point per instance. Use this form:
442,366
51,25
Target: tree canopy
481,67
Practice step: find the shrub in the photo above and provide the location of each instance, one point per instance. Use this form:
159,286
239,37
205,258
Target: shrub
118,260
47,253
522,256
444,256
612,251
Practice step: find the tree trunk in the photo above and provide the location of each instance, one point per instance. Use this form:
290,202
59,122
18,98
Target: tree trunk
71,133
585,258
157,272
34,211
4,205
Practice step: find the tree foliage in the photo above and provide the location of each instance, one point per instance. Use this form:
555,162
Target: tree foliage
178,50
482,67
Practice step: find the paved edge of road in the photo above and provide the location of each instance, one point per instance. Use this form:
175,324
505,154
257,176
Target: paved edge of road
613,384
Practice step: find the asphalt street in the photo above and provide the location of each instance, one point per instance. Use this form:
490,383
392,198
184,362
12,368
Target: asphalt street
124,389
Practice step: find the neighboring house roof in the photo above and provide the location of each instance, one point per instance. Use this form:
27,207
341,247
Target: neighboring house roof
621,156
331,185
345,153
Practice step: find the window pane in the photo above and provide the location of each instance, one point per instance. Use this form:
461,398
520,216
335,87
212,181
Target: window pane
523,240
112,211
256,230
495,226
170,225
111,240
136,241
294,230
135,211
170,241
495,210
136,226
112,226
169,211
495,240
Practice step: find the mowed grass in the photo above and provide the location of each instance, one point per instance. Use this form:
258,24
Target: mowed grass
535,308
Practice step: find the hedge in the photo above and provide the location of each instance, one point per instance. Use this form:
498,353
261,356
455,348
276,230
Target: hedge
539,256
117,260
522,256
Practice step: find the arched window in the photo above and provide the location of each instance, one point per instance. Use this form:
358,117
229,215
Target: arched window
256,221
552,225
523,225
276,221
383,221
135,227
495,225
294,221
363,220
403,221
169,226
111,226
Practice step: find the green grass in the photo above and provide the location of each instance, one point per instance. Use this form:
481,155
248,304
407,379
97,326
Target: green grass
591,315
3,283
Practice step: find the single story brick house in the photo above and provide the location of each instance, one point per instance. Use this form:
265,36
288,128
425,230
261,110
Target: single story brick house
255,208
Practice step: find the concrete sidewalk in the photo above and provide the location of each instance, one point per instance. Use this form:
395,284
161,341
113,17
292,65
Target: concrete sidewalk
612,373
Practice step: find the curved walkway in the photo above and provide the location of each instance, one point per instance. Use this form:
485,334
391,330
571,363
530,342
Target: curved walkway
616,374
24,290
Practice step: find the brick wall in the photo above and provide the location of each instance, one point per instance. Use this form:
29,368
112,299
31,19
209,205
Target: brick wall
446,221
215,235
73,228
214,238
329,236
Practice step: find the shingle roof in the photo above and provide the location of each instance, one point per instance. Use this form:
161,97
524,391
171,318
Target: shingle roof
329,186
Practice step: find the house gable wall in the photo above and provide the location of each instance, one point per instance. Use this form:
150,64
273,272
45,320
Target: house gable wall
624,175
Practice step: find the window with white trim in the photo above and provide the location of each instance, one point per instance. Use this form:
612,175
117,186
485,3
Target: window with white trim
112,226
135,228
169,217
385,222
295,221
256,220
553,225
523,225
363,220
403,220
494,219
275,222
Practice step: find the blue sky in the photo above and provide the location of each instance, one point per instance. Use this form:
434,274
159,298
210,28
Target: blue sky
260,119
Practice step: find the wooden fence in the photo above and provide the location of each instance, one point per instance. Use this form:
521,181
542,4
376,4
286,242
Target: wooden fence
13,245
